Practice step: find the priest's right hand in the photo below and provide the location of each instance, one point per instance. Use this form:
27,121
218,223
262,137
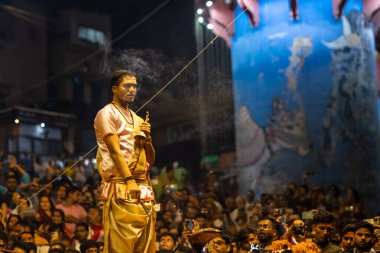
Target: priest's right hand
133,190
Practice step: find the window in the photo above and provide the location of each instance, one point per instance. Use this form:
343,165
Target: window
91,35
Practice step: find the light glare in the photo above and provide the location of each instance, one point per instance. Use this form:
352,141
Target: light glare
209,3
42,124
17,121
199,11
200,20
210,26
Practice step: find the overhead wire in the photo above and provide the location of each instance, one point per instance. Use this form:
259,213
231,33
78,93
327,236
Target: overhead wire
34,15
29,20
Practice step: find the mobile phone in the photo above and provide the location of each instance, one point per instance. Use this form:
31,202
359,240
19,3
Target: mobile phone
307,215
283,219
189,224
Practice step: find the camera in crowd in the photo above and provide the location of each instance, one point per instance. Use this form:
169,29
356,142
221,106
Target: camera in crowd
189,224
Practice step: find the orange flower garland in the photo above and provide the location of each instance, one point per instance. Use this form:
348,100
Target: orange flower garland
281,245
306,247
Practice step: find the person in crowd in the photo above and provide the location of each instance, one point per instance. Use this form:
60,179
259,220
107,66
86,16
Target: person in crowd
334,198
30,191
7,192
250,197
240,208
376,234
57,247
322,226
3,240
39,169
74,212
89,246
15,201
68,243
15,232
81,234
56,250
23,247
47,189
19,172
244,239
167,182
24,209
51,172
100,247
267,231
182,175
27,236
230,206
45,210
347,238
60,194
296,233
88,199
191,212
363,237
58,218
302,201
167,242
94,219
210,240
352,203
40,238
55,234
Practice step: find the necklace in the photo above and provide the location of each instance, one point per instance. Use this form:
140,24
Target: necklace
130,113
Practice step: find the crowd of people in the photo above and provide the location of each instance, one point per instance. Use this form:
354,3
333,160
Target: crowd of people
54,207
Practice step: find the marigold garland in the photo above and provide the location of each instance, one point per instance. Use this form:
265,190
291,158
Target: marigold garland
280,245
306,247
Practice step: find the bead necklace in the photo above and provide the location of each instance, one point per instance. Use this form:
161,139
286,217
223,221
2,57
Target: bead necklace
130,113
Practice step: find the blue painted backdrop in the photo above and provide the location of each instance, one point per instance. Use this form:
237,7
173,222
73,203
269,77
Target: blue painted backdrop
305,97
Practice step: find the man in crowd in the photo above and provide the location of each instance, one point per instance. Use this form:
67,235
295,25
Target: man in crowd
81,234
363,237
296,233
347,238
94,219
27,237
245,239
267,231
23,247
124,156
167,242
89,246
322,226
210,240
